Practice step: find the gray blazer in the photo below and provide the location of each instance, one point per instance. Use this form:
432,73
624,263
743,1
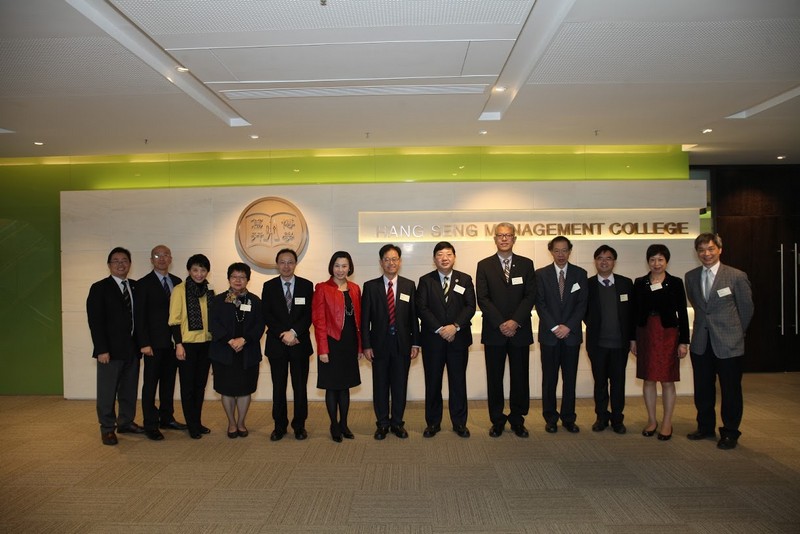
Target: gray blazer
725,317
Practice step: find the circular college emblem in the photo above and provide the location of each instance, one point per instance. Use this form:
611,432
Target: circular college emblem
268,225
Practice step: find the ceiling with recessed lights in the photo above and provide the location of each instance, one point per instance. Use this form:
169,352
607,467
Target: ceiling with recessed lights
95,77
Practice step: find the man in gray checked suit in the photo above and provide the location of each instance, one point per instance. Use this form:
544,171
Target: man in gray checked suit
723,307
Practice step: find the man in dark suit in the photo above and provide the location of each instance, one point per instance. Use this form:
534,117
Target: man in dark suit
561,306
286,304
723,307
390,339
154,339
109,310
505,286
445,302
608,334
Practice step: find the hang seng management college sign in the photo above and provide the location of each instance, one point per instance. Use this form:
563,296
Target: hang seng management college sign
479,225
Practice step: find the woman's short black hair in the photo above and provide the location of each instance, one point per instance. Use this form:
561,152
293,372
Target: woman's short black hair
199,260
239,266
336,256
656,249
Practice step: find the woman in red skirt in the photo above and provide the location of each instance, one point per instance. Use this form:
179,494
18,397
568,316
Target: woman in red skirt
662,336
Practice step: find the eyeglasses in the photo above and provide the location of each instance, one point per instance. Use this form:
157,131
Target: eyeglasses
391,260
160,256
119,262
504,236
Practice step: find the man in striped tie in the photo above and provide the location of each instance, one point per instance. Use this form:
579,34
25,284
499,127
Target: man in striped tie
109,310
390,339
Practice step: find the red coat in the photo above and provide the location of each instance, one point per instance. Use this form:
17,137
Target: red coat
327,312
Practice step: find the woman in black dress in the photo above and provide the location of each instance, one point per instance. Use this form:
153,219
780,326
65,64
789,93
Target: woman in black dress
237,325
336,315
662,336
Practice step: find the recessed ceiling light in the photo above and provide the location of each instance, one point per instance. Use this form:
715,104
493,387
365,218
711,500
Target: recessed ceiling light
254,136
781,157
482,132
707,130
181,69
38,143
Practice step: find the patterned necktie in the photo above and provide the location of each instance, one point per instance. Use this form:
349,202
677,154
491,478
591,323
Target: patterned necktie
446,288
166,287
288,295
126,296
390,303
606,282
507,269
561,283
706,283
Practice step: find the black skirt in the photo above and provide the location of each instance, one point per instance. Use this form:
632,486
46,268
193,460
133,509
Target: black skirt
341,371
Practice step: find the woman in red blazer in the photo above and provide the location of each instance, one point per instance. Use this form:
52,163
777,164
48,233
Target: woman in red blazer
336,315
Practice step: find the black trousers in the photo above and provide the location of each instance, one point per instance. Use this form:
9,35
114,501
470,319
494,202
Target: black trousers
282,364
117,383
554,357
434,363
608,370
519,398
706,368
389,379
159,375
193,372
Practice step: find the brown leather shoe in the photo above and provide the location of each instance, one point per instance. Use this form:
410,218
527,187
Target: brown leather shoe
109,438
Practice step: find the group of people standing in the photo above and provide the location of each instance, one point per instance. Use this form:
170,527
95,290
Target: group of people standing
184,325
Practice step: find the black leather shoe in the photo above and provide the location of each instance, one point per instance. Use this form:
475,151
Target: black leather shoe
205,430
336,433
664,437
233,435
461,430
109,438
727,443
243,433
520,431
301,434
697,435
347,433
496,431
381,432
551,428
130,428
195,435
277,435
431,430
619,428
154,434
173,425
649,433
599,426
572,428
400,432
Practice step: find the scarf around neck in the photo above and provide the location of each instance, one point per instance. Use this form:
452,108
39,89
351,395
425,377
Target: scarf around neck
194,292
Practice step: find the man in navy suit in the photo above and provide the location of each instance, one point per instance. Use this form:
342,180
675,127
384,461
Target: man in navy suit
154,338
561,306
286,304
608,334
109,310
446,303
390,340
505,287
723,307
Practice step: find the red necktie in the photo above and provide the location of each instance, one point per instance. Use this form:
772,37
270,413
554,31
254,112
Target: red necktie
390,303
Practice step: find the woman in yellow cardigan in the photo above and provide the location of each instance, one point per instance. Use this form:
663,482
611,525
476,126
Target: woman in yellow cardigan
189,312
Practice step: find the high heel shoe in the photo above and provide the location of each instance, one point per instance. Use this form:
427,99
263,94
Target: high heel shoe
336,434
650,433
346,433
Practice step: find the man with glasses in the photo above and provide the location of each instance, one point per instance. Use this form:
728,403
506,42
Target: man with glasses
505,286
561,306
608,334
109,310
154,337
390,340
286,305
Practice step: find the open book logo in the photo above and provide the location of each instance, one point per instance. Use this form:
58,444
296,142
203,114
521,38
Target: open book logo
268,225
